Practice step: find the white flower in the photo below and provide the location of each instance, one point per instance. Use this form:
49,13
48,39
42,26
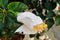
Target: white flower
30,21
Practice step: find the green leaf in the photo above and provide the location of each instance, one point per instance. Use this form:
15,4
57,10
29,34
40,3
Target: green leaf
12,13
1,15
57,19
1,10
50,14
11,24
3,3
32,35
17,7
38,35
12,21
49,22
50,5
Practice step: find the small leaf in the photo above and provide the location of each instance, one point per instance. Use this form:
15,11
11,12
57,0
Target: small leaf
50,14
32,35
17,7
57,19
38,35
3,3
49,22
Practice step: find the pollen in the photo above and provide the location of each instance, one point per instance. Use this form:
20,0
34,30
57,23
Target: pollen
41,27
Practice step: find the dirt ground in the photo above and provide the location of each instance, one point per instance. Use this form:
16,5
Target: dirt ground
54,32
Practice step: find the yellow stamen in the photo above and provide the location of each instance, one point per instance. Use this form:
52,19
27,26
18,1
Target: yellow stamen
41,27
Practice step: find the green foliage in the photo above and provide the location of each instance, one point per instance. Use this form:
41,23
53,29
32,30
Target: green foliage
50,14
32,35
9,11
17,7
50,5
8,17
50,22
47,5
57,19
3,3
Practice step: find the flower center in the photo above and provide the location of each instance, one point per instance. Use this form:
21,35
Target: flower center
40,27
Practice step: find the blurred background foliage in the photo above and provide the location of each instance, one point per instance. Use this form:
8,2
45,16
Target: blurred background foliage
10,8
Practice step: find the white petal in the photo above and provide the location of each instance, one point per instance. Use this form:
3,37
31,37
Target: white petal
20,29
38,20
29,20
25,30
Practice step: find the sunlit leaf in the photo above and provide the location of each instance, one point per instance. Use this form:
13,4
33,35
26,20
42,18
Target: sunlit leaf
17,6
